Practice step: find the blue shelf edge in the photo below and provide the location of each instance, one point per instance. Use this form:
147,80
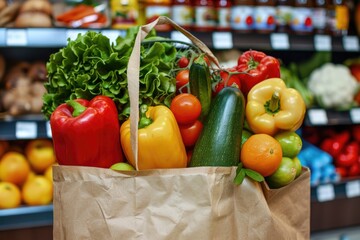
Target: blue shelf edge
26,217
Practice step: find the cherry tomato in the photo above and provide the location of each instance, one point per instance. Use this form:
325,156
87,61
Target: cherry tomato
226,81
182,79
190,133
186,108
183,62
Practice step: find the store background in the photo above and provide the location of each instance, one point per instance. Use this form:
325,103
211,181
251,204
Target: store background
335,202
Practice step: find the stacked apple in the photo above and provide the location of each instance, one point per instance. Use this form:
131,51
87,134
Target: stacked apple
26,173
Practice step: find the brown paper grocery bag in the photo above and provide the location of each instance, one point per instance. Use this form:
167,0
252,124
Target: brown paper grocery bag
190,203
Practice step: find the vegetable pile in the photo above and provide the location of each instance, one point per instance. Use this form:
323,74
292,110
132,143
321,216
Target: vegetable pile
192,112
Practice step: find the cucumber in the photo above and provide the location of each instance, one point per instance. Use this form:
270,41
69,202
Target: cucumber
219,143
200,84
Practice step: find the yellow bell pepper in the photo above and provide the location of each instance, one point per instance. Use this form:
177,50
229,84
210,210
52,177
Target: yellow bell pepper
272,107
159,140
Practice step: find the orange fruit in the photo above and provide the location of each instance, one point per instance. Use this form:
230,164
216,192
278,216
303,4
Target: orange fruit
48,173
30,176
37,191
14,168
40,154
261,153
10,196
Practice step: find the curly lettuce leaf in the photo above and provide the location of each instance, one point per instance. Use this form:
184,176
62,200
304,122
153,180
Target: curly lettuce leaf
90,65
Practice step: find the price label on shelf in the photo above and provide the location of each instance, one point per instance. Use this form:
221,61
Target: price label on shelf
351,43
355,115
325,192
317,116
279,41
322,43
111,34
25,130
48,129
73,33
352,189
222,40
16,37
178,36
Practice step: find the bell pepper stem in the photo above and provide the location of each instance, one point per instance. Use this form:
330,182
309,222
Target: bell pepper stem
78,108
273,105
144,120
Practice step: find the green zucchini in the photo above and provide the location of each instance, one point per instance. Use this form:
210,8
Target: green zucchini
219,143
200,84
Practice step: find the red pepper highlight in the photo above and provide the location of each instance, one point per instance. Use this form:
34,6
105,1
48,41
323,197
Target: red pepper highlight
256,67
349,155
86,133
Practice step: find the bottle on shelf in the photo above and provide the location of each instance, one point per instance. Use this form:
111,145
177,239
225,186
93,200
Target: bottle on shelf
204,15
357,17
302,21
242,16
153,9
284,9
182,13
264,16
320,14
124,13
223,11
338,18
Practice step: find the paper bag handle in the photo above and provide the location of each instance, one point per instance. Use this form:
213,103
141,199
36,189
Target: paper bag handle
133,69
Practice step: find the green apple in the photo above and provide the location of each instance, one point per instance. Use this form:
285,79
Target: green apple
122,166
290,142
298,166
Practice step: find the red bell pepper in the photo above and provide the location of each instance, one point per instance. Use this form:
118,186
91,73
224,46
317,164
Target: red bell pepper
335,144
87,133
356,132
255,67
349,155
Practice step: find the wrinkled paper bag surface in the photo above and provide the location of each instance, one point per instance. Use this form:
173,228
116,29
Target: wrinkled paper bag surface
192,203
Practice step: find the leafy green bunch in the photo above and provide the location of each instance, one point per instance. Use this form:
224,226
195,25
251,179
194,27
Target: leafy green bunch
90,65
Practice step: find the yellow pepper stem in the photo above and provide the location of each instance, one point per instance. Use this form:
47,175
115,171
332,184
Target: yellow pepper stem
144,120
273,105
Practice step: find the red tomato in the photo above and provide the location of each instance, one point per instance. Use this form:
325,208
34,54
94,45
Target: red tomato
182,80
183,62
227,81
190,133
186,108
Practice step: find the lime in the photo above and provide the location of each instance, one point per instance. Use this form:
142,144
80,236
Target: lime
290,142
298,166
284,175
122,166
245,135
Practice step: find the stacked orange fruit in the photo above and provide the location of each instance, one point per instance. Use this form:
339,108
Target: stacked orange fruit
26,173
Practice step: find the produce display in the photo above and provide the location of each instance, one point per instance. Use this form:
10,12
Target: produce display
318,81
332,153
26,173
22,87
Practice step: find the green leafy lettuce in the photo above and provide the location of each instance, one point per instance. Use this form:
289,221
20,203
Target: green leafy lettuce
90,65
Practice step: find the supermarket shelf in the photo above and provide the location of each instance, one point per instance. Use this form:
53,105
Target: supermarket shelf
345,189
322,117
25,127
35,126
57,37
26,217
